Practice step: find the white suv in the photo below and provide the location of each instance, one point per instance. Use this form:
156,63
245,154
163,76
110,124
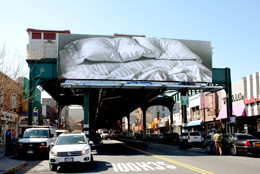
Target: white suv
193,137
70,148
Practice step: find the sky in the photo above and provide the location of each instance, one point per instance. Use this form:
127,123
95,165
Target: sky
232,26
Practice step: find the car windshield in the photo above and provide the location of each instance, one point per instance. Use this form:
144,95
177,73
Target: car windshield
32,133
242,137
71,139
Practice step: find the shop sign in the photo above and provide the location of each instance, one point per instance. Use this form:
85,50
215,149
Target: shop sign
251,100
235,97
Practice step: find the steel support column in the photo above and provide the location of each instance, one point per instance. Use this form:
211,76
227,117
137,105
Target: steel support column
184,131
86,113
144,123
171,119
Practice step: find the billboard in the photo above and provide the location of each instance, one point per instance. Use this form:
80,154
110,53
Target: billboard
113,58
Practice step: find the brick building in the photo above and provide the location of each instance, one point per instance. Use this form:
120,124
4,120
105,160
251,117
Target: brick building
11,104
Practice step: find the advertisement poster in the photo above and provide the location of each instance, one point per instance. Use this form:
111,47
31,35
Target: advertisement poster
108,58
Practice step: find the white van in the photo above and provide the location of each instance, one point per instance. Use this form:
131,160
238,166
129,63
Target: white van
36,141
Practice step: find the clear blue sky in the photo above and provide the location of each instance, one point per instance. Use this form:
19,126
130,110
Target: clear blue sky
232,26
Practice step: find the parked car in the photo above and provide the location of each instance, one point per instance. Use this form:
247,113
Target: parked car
36,141
170,138
70,148
194,138
106,135
97,140
204,141
236,143
158,137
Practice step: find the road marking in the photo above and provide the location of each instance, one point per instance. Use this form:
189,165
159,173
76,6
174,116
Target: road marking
168,160
140,166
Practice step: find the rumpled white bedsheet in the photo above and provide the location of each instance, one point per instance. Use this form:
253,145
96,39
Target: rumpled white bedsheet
142,69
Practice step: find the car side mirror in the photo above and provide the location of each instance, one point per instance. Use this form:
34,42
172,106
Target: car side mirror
91,142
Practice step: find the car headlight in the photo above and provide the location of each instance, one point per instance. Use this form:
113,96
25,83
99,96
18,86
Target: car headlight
86,151
54,153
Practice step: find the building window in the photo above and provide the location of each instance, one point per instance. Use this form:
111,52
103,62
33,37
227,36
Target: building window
49,103
13,102
36,35
196,111
51,36
2,98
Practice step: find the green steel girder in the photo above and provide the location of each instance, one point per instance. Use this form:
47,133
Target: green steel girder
43,72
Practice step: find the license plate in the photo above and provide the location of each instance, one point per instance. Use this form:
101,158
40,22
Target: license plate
68,159
30,152
195,137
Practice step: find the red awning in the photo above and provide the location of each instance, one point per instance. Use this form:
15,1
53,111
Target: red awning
238,110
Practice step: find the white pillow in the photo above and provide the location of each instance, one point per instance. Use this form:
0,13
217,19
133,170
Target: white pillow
166,49
128,49
174,49
151,45
94,49
105,49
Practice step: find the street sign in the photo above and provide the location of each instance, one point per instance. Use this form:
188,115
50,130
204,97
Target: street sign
184,100
232,119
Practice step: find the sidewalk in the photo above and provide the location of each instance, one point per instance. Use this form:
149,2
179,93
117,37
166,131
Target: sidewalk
9,165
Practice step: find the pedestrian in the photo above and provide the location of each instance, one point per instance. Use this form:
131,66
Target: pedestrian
213,142
217,138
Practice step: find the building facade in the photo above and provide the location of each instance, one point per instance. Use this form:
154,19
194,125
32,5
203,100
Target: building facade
11,104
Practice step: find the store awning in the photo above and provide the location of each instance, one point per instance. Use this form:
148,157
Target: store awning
238,111
195,123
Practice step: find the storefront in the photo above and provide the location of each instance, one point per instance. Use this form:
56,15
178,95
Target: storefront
252,104
8,130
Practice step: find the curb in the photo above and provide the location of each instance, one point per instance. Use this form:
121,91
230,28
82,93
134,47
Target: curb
18,167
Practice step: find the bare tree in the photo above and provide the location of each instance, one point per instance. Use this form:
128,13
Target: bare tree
11,93
12,65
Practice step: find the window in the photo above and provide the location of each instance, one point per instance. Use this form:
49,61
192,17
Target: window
163,108
195,111
49,103
51,36
13,102
2,98
36,35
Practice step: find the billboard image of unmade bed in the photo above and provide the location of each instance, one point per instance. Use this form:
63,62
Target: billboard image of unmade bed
89,57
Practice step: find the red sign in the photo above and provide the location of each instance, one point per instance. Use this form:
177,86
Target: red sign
251,100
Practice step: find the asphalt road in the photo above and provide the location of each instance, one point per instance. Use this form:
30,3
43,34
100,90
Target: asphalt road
136,157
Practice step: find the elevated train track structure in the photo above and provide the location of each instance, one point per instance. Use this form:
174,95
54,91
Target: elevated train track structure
108,99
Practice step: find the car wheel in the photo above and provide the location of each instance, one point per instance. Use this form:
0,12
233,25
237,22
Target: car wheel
208,149
233,150
53,167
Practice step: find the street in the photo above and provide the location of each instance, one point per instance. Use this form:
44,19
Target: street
137,157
